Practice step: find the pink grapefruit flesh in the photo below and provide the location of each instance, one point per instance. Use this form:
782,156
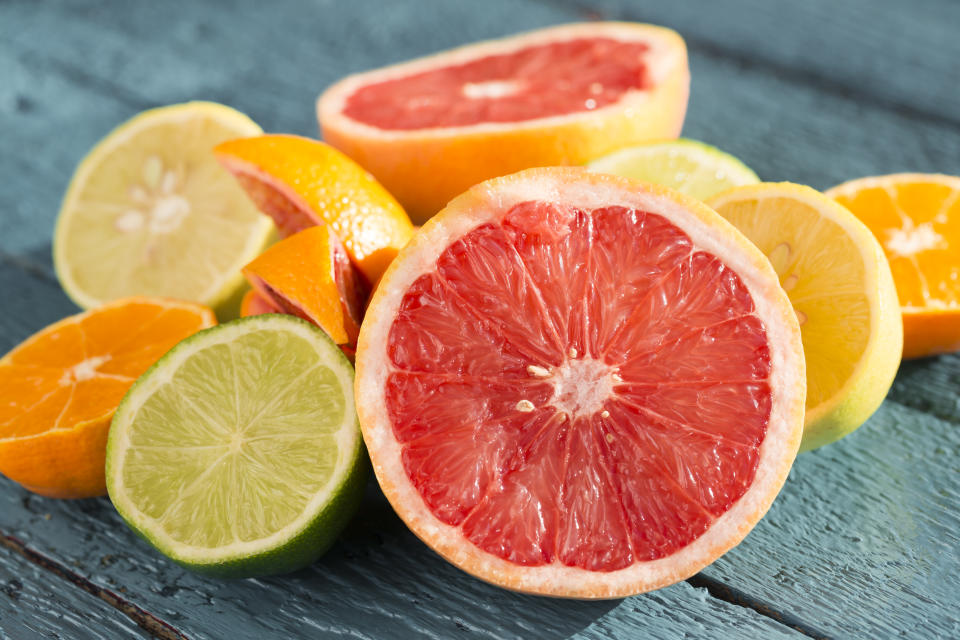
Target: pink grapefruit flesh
533,82
595,381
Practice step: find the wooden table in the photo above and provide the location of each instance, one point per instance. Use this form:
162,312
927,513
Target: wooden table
861,543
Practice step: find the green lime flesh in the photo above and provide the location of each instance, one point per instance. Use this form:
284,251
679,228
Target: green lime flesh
238,453
690,167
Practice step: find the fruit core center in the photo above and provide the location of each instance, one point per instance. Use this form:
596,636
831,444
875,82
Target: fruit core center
581,386
491,89
83,370
157,207
909,241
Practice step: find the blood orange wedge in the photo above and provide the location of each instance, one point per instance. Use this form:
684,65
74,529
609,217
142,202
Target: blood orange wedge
430,128
580,385
300,183
309,275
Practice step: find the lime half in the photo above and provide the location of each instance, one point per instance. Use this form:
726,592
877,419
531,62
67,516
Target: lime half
239,453
687,166
149,211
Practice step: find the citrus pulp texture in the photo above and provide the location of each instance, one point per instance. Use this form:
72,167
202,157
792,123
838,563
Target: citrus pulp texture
60,387
839,282
916,217
580,385
238,454
687,166
300,183
150,212
430,128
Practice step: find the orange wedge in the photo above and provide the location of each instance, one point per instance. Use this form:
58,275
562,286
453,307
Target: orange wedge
916,217
301,182
308,275
59,389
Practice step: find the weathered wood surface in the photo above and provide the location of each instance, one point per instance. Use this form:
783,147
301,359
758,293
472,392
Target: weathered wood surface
861,543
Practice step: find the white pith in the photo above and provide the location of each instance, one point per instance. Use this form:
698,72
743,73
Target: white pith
490,201
662,58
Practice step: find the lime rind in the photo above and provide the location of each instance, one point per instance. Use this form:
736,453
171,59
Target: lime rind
308,535
225,291
689,166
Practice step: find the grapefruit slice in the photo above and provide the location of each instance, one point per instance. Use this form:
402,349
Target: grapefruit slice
309,275
430,128
253,304
580,385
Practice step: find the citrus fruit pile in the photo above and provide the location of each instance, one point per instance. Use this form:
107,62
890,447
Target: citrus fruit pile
580,381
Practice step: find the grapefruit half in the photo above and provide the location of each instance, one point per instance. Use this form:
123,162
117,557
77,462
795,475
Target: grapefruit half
430,128
580,385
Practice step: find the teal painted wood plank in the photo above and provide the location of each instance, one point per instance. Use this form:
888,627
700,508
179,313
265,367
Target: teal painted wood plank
32,605
738,622
74,71
885,52
863,540
378,581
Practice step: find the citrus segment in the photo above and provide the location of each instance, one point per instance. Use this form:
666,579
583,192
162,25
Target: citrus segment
149,212
581,74
575,384
309,275
238,454
688,166
430,128
300,182
253,304
840,285
916,218
60,388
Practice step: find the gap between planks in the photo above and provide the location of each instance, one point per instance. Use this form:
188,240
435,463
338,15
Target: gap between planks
144,619
165,631
728,594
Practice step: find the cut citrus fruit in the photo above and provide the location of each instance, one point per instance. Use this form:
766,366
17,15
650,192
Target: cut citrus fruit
309,275
253,304
60,388
149,212
687,166
840,285
916,217
580,385
430,128
301,182
238,454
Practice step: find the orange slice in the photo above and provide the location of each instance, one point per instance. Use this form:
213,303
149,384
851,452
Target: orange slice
580,385
59,389
916,217
301,182
308,275
430,128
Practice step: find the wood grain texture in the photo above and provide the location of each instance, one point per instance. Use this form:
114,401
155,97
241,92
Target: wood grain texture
378,581
32,605
862,542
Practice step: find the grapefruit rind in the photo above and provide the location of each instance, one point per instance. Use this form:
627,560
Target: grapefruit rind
865,388
449,160
579,188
